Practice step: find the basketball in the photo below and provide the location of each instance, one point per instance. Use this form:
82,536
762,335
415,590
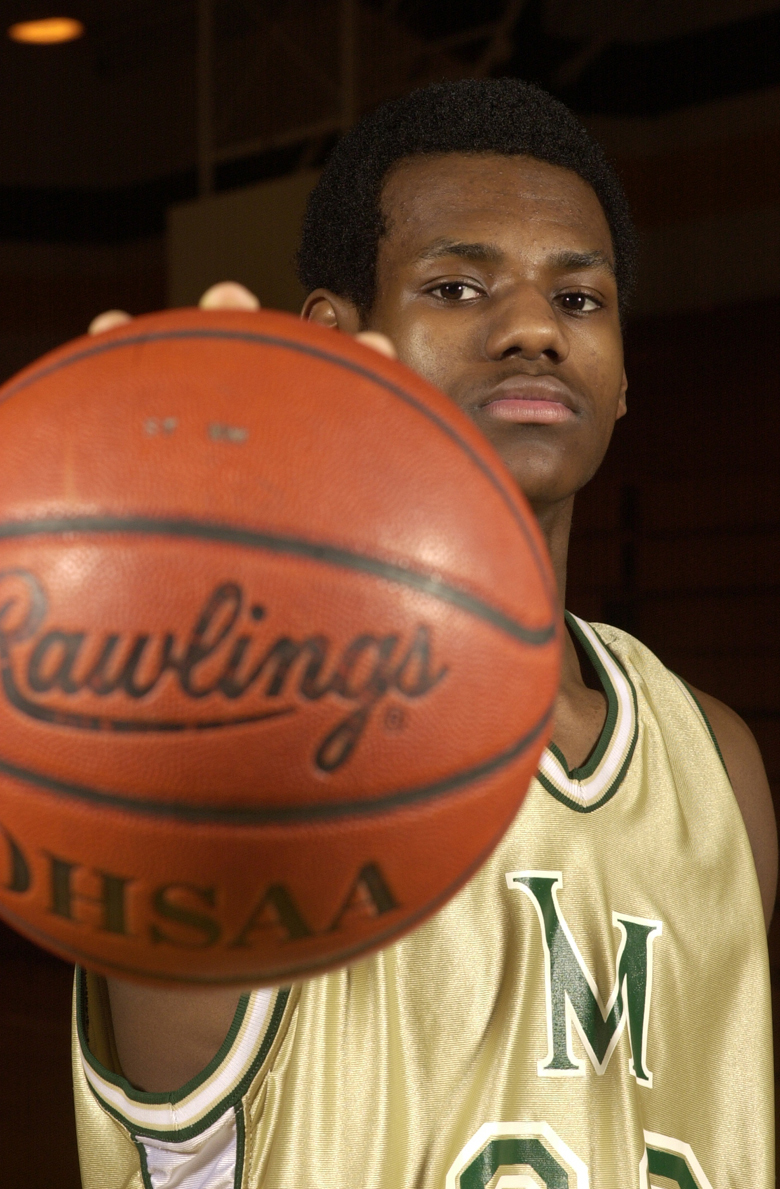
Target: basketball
279,647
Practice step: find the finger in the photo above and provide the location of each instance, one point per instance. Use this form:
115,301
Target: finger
108,320
228,295
377,342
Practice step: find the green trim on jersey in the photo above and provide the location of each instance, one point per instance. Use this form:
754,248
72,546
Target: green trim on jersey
240,1144
145,1175
102,1081
143,1096
597,780
692,698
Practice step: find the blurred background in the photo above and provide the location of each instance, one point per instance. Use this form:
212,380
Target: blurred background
169,144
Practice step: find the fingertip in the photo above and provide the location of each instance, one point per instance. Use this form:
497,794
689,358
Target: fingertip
228,295
377,342
108,320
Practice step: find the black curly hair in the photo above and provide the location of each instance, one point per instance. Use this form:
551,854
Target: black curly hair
343,222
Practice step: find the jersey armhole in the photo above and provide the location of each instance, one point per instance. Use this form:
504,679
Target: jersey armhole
185,1113
697,706
99,1023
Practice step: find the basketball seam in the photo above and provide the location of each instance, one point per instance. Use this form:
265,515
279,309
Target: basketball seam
239,815
316,353
332,555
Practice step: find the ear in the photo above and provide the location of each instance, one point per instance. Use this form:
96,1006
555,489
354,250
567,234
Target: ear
328,309
622,408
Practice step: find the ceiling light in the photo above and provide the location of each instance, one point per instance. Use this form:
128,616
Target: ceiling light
47,32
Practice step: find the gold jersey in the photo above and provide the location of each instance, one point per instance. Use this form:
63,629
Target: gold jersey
592,1009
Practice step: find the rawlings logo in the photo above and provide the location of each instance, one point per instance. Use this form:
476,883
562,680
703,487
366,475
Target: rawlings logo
223,656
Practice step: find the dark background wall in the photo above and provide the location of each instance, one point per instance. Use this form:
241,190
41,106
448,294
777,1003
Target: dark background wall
677,537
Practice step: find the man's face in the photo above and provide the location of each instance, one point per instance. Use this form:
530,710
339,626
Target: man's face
495,282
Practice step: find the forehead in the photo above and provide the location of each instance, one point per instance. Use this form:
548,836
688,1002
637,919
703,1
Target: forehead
489,196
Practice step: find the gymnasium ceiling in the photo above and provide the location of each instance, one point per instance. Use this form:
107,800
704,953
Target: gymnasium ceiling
98,136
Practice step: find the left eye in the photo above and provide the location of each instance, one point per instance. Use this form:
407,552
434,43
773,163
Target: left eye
456,291
579,303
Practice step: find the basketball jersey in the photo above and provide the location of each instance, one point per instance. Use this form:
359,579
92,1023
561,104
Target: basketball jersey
591,1009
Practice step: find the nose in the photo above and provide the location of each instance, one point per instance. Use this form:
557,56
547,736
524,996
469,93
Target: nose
525,324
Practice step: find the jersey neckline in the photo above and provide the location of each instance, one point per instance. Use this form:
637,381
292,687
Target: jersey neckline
588,787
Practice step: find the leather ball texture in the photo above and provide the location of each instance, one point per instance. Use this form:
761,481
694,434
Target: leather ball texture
279,648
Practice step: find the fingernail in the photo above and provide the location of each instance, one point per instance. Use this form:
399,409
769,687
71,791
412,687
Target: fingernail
228,295
377,342
108,320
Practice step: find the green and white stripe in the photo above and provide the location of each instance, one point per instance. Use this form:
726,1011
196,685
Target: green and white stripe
588,787
180,1115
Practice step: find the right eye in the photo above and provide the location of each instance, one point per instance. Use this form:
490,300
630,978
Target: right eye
456,291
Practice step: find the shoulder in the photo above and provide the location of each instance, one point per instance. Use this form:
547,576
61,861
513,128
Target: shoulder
739,752
742,760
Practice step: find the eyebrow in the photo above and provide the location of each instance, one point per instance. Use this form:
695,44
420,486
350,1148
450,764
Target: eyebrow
566,260
486,253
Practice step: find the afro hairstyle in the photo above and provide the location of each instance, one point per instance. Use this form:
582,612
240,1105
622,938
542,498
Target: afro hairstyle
343,223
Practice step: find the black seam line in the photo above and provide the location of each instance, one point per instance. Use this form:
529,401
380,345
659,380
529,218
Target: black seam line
294,546
240,815
315,353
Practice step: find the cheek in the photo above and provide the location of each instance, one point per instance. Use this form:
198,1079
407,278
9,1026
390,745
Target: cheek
602,369
429,351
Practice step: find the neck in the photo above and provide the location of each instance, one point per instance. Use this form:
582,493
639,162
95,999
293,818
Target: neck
555,523
580,712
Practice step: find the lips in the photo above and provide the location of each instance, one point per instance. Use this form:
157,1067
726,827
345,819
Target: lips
539,399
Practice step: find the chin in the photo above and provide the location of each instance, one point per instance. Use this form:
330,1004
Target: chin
543,481
544,496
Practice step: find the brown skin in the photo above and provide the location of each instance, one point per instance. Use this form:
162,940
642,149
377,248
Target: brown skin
492,267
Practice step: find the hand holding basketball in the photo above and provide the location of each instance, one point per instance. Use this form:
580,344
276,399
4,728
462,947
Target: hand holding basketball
279,647
230,295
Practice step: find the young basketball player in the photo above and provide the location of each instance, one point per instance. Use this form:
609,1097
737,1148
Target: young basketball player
593,1008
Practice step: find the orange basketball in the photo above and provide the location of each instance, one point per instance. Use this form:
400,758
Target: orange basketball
279,649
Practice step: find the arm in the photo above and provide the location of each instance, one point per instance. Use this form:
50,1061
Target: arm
164,1037
751,788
